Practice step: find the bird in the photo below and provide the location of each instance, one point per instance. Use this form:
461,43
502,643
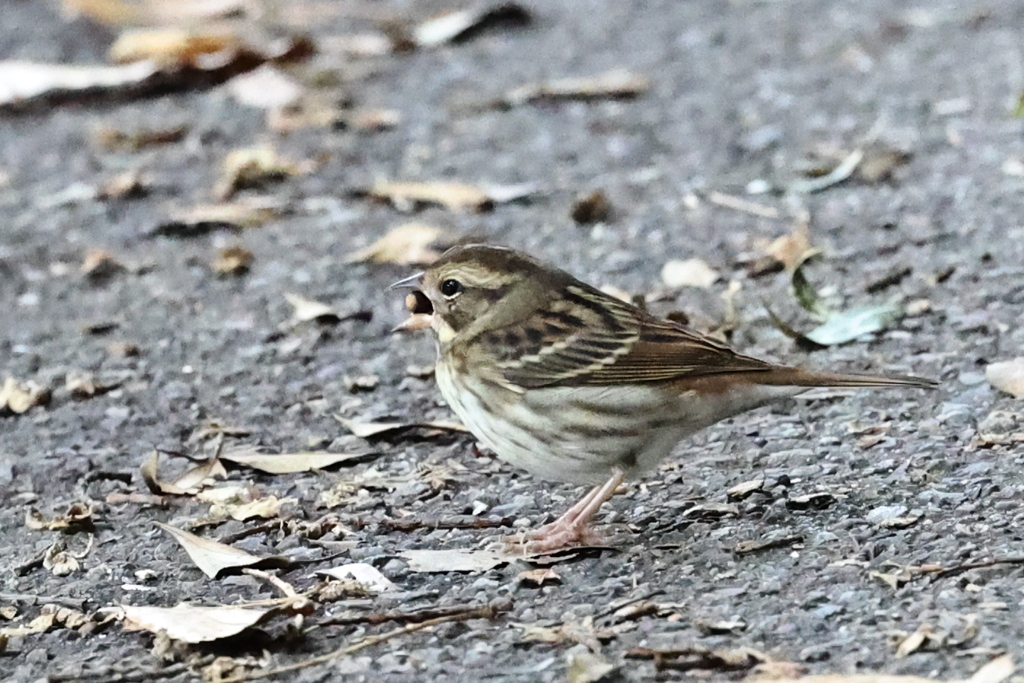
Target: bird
574,385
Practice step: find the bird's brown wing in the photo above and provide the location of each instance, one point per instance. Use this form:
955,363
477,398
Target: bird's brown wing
590,339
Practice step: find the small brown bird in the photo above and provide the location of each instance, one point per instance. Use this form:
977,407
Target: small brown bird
574,385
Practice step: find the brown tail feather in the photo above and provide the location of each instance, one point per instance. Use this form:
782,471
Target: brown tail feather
798,377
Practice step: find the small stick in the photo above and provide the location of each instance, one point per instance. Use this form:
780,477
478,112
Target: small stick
487,612
739,204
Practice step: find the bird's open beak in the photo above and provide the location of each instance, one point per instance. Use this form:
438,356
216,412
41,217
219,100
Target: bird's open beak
420,309
407,282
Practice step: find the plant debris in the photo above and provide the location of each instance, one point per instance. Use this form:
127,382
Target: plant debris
409,244
291,463
233,260
692,272
454,560
408,196
189,483
18,397
590,208
616,84
78,517
367,430
202,624
462,25
215,559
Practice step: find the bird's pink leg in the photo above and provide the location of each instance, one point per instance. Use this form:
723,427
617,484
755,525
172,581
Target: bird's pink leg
572,528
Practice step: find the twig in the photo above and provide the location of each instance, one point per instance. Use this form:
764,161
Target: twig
837,175
487,612
119,677
739,204
458,522
960,568
35,599
413,617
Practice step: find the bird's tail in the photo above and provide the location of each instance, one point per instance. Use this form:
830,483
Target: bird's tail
798,377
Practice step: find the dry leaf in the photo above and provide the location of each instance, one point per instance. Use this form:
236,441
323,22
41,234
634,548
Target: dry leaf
914,641
307,310
82,385
450,195
1007,376
584,666
78,517
368,120
364,574
213,558
175,48
744,489
60,562
265,508
266,87
615,84
591,208
50,616
692,272
539,577
193,623
455,560
187,484
98,264
366,430
127,185
149,12
17,397
234,260
249,168
199,220
23,82
793,248
290,463
460,25
408,244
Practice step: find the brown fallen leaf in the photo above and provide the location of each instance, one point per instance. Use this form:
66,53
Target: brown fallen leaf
615,84
127,185
461,25
233,260
1007,376
409,244
250,168
59,561
189,483
308,310
407,196
78,517
195,623
692,272
264,508
539,577
50,616
215,558
290,463
198,220
18,397
99,264
172,47
82,385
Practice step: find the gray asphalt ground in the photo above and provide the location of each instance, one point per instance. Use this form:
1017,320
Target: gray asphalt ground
739,91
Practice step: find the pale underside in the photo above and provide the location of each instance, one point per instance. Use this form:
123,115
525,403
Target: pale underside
594,429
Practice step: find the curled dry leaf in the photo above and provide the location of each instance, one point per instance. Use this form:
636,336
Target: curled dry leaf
410,244
98,264
78,517
366,430
692,272
234,260
18,397
215,558
463,24
249,168
365,575
59,561
187,484
1007,376
793,248
450,195
290,463
308,310
194,623
22,83
199,220
82,385
454,560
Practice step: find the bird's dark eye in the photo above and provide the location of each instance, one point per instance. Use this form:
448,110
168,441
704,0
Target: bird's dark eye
450,288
